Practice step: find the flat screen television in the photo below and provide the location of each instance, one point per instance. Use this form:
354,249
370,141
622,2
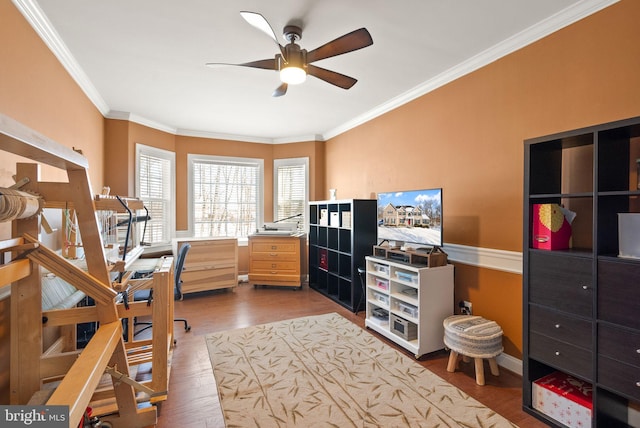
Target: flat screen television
412,218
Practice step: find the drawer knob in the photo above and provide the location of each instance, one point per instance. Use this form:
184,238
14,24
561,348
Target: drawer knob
584,287
557,353
637,351
557,325
638,384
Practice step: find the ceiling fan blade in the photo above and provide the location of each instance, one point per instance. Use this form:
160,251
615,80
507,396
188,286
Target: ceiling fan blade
260,22
280,90
345,82
267,64
352,41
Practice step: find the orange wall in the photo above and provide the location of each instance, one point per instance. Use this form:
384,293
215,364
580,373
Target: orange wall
467,137
36,90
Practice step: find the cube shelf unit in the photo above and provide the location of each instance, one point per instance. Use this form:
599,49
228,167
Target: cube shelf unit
416,298
581,305
341,234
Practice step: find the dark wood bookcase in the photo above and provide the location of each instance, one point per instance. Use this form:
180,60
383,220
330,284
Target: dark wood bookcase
581,306
341,234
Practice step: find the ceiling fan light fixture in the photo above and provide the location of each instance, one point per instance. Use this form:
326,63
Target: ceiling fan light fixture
292,75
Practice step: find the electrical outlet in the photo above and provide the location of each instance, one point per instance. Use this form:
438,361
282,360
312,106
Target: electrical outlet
465,307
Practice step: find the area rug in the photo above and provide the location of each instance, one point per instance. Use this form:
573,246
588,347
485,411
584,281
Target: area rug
324,371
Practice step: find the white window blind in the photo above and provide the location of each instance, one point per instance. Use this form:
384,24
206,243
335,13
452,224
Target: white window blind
155,184
226,196
291,184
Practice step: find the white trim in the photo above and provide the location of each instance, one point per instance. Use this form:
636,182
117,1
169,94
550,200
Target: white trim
41,24
209,158
286,162
510,363
532,34
171,157
564,18
507,261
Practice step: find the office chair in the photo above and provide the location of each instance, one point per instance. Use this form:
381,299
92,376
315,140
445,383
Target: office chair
142,295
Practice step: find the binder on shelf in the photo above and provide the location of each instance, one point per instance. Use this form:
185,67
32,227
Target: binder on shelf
335,219
324,217
346,219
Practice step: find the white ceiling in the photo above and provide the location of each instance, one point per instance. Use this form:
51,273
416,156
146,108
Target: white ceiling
143,60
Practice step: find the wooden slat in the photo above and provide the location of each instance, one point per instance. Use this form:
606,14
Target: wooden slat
162,331
20,140
82,378
57,365
75,276
76,315
8,243
26,321
14,271
110,203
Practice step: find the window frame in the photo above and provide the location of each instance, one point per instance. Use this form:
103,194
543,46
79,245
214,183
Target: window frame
170,225
292,162
193,158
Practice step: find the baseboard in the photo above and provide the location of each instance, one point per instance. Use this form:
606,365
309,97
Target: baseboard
510,363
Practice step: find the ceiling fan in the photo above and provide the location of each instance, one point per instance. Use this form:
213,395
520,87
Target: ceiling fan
294,63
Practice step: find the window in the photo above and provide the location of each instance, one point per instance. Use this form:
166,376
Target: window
291,190
225,195
155,186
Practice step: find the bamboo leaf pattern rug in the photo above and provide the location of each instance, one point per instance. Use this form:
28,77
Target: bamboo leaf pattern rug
324,371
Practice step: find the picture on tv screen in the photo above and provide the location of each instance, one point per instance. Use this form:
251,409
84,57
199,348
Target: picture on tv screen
411,217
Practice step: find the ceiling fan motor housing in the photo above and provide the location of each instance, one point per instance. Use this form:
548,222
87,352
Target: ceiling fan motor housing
294,57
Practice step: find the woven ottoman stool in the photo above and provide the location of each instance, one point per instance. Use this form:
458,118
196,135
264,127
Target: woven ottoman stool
473,337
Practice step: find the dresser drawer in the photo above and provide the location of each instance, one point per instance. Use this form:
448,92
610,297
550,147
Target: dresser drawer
277,278
561,282
275,257
619,344
619,293
619,377
274,246
560,326
259,265
226,275
561,355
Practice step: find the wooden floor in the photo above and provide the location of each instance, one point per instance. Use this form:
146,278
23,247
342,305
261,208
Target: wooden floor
193,400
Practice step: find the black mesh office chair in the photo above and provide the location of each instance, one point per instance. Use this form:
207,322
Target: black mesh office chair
142,295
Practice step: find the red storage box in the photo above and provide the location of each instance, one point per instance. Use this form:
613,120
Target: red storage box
550,226
564,398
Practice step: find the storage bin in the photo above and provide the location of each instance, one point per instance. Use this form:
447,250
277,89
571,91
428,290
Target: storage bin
407,309
382,298
383,269
629,235
563,398
382,284
407,276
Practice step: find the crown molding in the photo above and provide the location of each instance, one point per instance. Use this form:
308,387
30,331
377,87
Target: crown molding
556,22
40,23
34,15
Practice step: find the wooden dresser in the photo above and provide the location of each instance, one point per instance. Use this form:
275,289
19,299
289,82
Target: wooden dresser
276,260
211,263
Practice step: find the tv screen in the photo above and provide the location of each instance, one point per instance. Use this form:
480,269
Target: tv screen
412,217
